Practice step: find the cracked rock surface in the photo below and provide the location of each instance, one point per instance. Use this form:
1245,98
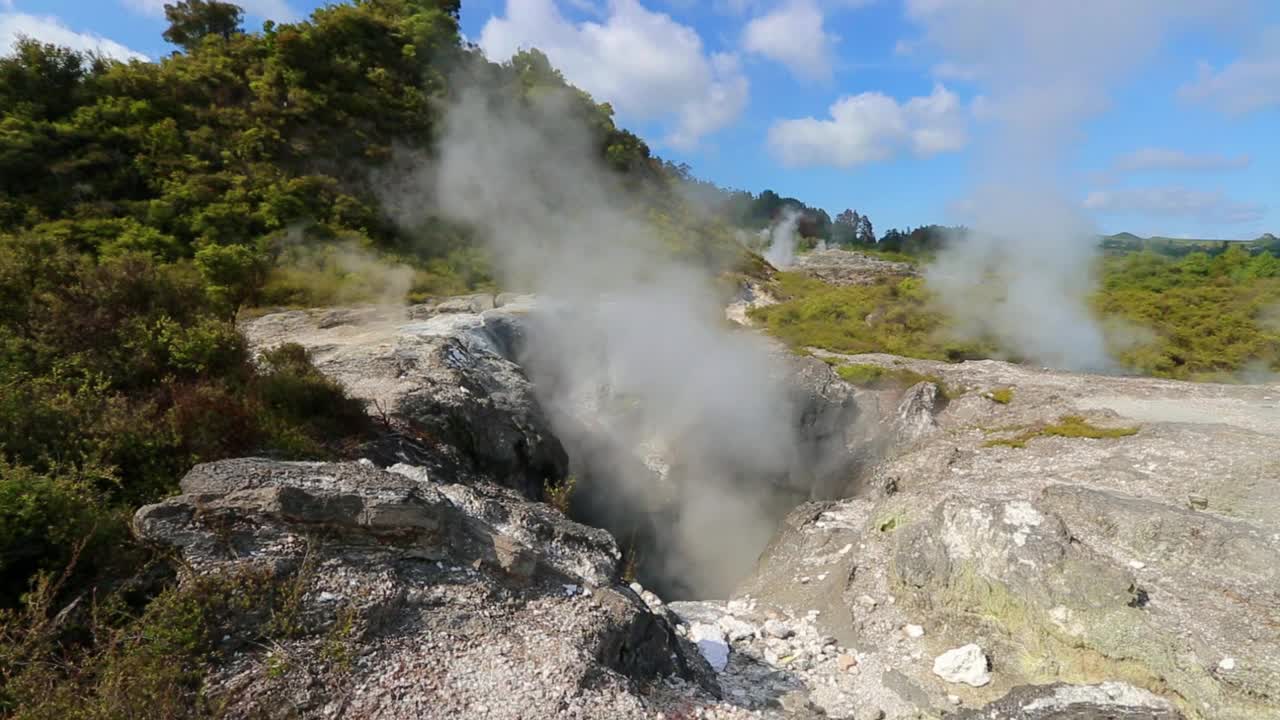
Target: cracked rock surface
1131,578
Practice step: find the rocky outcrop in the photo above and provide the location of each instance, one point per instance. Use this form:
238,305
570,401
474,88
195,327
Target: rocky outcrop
914,418
829,431
1081,573
1075,564
446,385
412,599
845,267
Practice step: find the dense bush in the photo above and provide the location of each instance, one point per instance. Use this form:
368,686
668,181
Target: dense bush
1199,317
894,316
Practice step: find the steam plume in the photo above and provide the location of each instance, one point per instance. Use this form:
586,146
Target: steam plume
1047,67
630,349
782,240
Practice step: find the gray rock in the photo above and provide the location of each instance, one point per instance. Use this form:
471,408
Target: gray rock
1107,701
1066,558
844,267
913,419
452,604
826,432
447,387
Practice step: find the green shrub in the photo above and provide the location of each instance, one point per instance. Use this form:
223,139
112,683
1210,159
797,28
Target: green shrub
148,666
44,520
302,411
560,496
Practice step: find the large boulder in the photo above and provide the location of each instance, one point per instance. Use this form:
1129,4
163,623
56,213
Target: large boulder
412,599
446,385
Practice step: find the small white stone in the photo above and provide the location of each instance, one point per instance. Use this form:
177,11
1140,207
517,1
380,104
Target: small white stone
1227,664
967,664
804,580
736,629
570,590
845,550
1137,564
637,588
866,601
822,576
953,699
778,629
913,631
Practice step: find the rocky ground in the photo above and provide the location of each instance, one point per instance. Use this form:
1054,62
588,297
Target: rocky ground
1151,559
841,267
979,565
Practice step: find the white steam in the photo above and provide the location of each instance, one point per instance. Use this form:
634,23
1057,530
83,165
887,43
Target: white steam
1024,274
782,239
629,349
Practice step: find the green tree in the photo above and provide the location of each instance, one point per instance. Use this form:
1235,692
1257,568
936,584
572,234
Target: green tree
191,21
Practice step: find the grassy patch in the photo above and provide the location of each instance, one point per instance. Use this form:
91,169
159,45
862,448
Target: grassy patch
896,316
1004,396
1068,426
891,522
1200,317
876,376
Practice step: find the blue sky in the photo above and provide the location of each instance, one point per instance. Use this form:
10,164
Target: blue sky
1154,116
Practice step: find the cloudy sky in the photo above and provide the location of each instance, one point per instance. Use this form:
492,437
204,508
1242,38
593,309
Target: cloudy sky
1154,116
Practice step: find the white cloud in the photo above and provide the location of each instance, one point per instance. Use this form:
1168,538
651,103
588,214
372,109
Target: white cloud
793,34
49,29
1150,158
1242,87
278,10
872,127
1202,205
647,65
1050,65
742,7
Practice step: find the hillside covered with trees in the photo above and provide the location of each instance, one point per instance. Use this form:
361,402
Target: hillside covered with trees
144,206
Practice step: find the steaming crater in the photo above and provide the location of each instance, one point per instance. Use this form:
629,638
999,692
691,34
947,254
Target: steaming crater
692,460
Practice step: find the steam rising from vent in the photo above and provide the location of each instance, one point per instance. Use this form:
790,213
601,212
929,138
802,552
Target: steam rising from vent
1046,68
782,240
1022,276
629,349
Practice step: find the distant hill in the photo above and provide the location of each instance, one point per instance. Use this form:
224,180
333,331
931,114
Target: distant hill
1129,242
